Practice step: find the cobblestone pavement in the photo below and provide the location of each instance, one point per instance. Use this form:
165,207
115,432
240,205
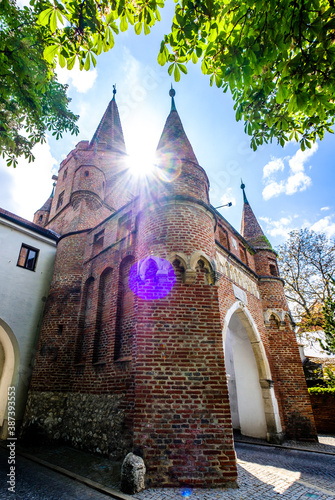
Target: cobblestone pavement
265,472
326,443
34,482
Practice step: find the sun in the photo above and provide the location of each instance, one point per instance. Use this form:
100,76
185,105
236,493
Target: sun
141,164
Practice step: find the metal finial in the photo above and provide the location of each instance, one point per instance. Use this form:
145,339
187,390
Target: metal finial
114,91
172,93
244,195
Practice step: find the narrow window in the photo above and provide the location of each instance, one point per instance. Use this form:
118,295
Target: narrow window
84,322
65,174
87,174
60,200
273,270
223,238
124,226
125,317
103,322
243,254
28,257
99,239
40,218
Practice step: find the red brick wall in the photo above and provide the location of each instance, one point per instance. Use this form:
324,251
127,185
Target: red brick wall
182,422
182,419
324,412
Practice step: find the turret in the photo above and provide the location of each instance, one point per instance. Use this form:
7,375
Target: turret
178,326
41,216
265,257
89,179
178,169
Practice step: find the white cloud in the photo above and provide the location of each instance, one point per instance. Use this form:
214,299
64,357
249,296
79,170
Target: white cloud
297,161
30,183
297,180
81,80
325,225
279,227
228,197
273,189
324,209
273,166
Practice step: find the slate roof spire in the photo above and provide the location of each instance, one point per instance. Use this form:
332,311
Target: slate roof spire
173,139
250,228
47,205
109,130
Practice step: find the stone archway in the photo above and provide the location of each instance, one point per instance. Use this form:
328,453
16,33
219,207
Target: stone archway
254,408
9,358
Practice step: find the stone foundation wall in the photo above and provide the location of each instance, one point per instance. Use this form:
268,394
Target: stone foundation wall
96,423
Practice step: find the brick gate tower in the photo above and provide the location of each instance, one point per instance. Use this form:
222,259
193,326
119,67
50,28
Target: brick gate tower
165,328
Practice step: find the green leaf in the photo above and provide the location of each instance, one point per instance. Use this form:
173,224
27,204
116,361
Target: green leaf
138,29
53,21
176,73
87,64
182,68
170,69
43,18
71,62
218,81
50,52
94,61
62,61
124,24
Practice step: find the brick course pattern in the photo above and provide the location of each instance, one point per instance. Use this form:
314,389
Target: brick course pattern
324,410
157,365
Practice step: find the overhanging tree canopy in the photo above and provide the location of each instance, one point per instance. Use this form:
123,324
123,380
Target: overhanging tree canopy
32,102
276,56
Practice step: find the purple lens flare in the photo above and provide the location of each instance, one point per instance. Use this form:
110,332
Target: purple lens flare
152,278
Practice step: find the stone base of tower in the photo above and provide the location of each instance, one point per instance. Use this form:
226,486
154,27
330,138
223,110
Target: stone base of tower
96,423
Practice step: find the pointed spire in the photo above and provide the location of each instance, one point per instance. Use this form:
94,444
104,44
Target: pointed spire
47,205
109,129
173,139
244,195
250,228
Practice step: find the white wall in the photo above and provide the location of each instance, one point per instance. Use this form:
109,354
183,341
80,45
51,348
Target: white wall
22,298
243,382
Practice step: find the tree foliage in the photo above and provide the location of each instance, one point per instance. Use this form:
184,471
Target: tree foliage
306,262
329,326
276,56
32,102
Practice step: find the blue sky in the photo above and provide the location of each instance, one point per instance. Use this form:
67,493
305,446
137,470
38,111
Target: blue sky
286,188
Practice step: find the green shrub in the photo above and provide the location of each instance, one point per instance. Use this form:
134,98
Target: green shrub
322,390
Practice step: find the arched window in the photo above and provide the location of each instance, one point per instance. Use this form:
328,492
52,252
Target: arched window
223,238
102,326
84,321
243,254
273,269
125,317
